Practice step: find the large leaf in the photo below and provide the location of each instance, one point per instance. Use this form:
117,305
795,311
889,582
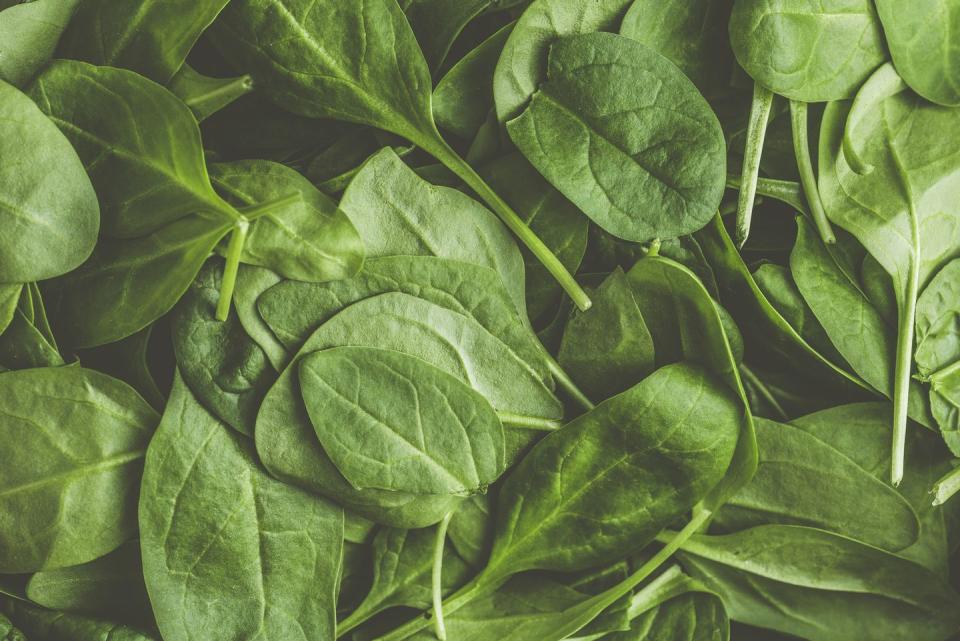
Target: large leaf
139,143
48,209
837,588
803,481
398,213
921,36
85,435
211,517
808,50
410,427
691,34
669,449
646,162
523,63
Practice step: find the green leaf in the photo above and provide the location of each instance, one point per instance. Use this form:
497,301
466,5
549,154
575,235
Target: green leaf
921,40
608,348
128,284
808,51
938,321
151,37
413,427
294,310
671,449
691,35
210,517
837,588
402,565
523,63
398,213
8,632
224,368
861,432
643,164
139,143
47,625
855,328
111,586
903,209
130,361
464,96
310,240
48,209
85,435
29,32
803,481
9,297
23,346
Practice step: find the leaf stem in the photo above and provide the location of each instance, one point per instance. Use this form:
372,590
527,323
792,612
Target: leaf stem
234,250
437,577
564,381
755,382
752,153
946,487
446,155
253,212
529,422
904,363
801,149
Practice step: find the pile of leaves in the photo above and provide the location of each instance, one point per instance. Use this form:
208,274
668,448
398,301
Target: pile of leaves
479,320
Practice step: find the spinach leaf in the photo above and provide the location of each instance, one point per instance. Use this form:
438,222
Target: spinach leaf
691,35
464,96
802,481
523,63
902,210
281,557
563,485
808,51
938,321
861,432
9,298
402,563
111,586
294,310
224,368
29,32
852,324
140,145
47,625
306,71
151,37
644,164
838,588
559,491
48,209
414,427
327,244
8,632
130,360
86,435
398,213
608,348
930,69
